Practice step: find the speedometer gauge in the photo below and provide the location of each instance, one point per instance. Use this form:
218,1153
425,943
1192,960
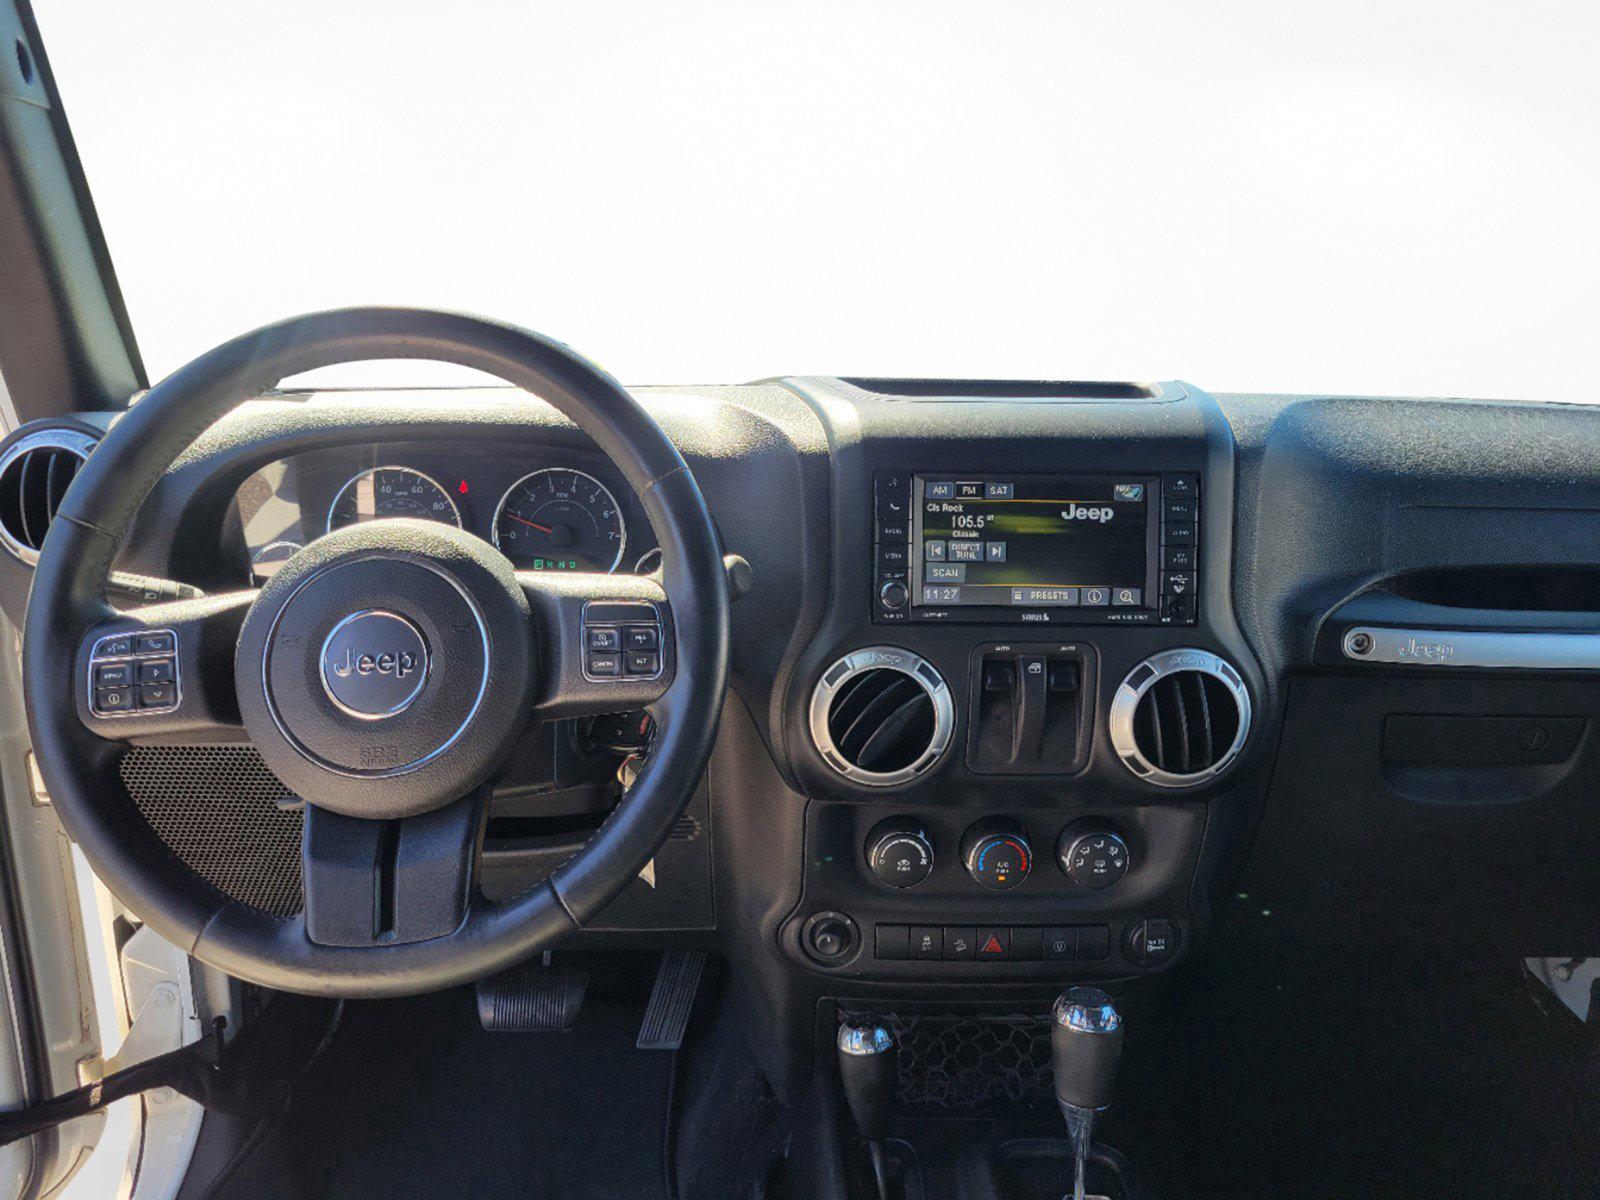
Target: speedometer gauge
560,520
391,492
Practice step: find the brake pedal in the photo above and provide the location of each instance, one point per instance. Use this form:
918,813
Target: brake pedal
671,1000
532,998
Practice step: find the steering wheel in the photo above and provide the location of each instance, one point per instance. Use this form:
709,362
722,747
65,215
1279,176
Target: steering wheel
384,673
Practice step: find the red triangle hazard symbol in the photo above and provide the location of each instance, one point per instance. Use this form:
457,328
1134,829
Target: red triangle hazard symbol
992,946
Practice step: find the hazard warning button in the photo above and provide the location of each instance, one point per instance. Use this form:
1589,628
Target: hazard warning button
994,945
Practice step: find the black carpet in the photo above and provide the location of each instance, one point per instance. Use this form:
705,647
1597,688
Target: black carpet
1330,1073
414,1099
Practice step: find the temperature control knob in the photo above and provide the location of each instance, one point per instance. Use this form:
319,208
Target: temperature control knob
997,854
1094,858
900,853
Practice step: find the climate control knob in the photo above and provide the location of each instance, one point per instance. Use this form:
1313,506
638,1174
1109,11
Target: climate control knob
900,853
997,854
1093,858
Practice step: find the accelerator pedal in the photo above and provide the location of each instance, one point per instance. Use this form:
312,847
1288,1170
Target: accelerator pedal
671,1000
535,997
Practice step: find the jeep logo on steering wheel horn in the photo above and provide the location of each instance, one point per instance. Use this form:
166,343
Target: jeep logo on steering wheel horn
374,664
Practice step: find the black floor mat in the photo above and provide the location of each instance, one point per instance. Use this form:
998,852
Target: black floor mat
1335,1074
414,1099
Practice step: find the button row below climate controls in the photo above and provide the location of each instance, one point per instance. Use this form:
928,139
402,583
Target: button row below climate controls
997,943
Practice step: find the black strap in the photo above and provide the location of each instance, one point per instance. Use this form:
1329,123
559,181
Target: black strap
195,1071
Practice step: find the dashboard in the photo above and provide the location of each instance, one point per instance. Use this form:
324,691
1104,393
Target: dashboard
546,510
1029,682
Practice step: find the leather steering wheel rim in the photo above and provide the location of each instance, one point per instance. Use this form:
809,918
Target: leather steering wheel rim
67,600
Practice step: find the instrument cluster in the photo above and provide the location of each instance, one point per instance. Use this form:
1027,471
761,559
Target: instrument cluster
555,510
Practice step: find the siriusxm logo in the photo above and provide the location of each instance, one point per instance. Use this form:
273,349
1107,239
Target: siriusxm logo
1085,512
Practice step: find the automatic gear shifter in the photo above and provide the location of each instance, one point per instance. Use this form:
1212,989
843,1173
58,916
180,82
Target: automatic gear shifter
1085,1048
867,1070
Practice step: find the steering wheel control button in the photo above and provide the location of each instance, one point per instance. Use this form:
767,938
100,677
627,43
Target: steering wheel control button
643,637
113,675
1095,860
374,664
605,638
633,629
997,854
1152,942
156,695
113,700
900,854
134,673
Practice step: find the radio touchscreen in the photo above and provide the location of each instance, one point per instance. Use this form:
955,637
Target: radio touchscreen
1052,548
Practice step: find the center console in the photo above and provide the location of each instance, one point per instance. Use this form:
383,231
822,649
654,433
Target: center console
1031,710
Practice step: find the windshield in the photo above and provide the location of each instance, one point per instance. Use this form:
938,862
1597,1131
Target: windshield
1371,197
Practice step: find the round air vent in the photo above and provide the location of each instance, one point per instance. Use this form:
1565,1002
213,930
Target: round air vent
1180,718
881,716
35,472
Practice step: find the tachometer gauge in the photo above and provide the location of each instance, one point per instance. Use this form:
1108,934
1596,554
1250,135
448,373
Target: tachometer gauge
391,492
560,520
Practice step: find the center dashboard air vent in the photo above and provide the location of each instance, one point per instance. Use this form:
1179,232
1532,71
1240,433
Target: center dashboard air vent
35,472
881,716
1180,718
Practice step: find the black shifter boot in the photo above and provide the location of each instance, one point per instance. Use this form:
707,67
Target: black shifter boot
1085,1050
867,1071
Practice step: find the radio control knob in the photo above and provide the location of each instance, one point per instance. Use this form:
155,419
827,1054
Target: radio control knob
997,854
894,594
1094,858
900,854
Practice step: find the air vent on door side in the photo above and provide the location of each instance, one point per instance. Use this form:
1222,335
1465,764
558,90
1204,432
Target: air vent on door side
881,716
35,472
1180,718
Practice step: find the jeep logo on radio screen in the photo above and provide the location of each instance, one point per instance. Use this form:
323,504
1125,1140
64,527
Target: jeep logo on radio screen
374,664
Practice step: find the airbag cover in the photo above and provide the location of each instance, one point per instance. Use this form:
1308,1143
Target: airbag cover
365,669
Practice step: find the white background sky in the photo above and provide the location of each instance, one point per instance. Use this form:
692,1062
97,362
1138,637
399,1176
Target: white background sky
1366,196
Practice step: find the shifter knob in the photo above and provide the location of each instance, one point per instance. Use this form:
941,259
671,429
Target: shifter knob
867,1070
1085,1048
